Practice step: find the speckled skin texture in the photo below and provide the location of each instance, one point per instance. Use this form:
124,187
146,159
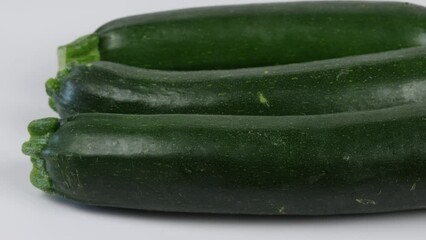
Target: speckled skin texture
362,162
328,86
255,35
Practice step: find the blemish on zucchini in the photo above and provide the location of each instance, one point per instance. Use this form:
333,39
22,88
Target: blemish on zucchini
343,72
281,210
262,99
413,187
365,201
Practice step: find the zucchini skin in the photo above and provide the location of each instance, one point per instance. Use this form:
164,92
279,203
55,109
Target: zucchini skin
328,86
254,35
361,162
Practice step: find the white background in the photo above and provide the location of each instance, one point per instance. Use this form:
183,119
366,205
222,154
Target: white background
30,31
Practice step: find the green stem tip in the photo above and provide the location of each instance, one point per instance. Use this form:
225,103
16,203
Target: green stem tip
40,131
53,85
52,88
83,50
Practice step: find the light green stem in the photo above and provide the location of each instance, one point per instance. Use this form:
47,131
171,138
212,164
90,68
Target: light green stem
81,51
53,86
40,131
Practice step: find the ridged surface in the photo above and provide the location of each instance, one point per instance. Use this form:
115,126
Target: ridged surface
260,34
363,162
356,83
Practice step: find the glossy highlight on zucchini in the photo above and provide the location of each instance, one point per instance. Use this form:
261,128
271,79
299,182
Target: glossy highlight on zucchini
253,35
344,163
355,83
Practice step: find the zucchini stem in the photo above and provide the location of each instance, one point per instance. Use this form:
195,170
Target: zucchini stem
83,50
53,85
40,131
52,88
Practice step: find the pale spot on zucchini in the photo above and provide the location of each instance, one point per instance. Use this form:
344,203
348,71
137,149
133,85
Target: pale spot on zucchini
262,99
365,201
413,187
281,210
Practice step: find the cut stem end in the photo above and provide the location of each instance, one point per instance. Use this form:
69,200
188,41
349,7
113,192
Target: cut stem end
81,51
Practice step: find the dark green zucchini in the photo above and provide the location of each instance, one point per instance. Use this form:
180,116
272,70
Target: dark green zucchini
360,162
338,85
253,35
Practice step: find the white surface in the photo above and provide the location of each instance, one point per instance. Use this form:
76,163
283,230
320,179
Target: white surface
30,31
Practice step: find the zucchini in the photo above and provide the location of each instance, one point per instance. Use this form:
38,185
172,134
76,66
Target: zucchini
353,83
254,35
359,162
